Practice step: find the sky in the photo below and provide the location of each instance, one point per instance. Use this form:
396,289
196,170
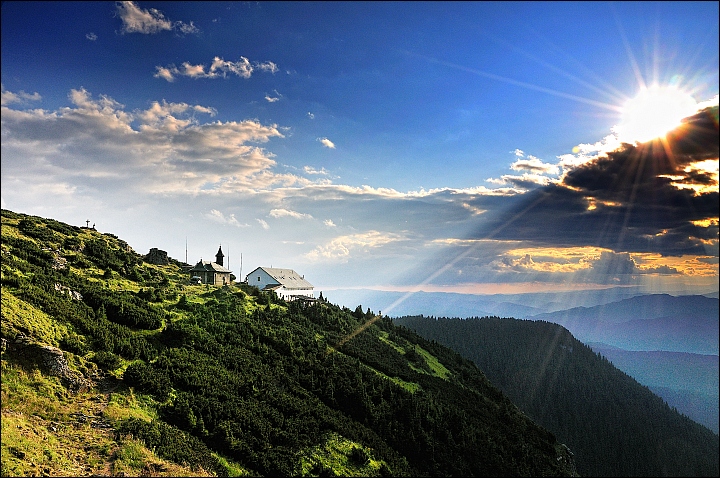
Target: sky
474,147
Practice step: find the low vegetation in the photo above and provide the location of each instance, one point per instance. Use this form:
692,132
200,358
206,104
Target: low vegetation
114,366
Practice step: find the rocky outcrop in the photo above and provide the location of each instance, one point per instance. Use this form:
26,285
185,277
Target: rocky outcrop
157,256
50,360
566,459
59,262
73,294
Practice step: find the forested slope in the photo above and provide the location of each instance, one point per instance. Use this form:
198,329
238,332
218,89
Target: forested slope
112,365
615,426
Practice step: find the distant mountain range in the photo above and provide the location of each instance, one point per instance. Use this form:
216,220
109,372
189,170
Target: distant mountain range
667,343
646,323
621,318
448,304
688,382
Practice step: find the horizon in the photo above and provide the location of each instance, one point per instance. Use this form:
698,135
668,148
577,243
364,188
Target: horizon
469,148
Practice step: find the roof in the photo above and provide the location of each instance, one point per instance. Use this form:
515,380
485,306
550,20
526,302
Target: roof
208,266
287,278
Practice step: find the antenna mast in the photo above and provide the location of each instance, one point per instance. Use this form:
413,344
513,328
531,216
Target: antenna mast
186,250
241,267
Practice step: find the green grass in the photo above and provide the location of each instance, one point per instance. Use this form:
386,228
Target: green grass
336,454
42,435
18,315
436,368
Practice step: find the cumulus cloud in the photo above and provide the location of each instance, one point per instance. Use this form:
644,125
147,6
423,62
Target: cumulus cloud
148,21
263,223
273,99
327,143
164,149
219,217
534,165
287,213
8,97
91,36
218,68
535,172
341,248
650,197
524,182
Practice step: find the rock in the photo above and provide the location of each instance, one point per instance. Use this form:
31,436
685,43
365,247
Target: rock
157,256
51,360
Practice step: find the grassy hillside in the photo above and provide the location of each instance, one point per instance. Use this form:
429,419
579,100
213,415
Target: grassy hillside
615,426
111,365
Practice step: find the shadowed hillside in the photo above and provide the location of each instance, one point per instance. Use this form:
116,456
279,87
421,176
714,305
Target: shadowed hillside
614,425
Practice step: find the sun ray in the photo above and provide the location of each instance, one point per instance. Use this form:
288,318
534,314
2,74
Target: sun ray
626,43
522,84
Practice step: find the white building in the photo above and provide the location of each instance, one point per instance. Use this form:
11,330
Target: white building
286,283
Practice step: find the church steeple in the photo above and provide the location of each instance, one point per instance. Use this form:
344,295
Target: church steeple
219,256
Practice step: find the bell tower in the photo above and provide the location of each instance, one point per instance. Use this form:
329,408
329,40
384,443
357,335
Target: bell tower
219,256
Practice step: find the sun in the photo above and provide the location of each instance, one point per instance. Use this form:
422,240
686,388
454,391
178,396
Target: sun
655,111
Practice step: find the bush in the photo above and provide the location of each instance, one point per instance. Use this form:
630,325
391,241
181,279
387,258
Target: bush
358,456
74,343
172,444
107,360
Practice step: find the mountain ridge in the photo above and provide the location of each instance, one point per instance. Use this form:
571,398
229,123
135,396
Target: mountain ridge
228,380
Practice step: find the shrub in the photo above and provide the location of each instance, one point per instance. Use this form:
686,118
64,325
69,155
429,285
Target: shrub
107,360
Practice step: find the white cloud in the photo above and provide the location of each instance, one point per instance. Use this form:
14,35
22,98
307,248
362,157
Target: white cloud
535,165
138,20
327,143
310,115
218,68
340,248
91,36
8,97
267,66
329,223
273,99
263,223
135,19
164,73
524,181
163,149
186,28
219,217
288,213
311,170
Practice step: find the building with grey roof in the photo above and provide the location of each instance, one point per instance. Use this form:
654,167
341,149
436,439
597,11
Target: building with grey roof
286,283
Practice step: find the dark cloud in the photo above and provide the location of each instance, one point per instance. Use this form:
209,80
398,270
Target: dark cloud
638,198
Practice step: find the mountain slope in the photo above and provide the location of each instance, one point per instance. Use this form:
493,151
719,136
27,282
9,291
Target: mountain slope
688,382
229,380
652,322
615,426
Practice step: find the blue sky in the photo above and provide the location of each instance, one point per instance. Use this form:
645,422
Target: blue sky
388,145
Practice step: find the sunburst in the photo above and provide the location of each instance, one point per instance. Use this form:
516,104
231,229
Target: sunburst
653,112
